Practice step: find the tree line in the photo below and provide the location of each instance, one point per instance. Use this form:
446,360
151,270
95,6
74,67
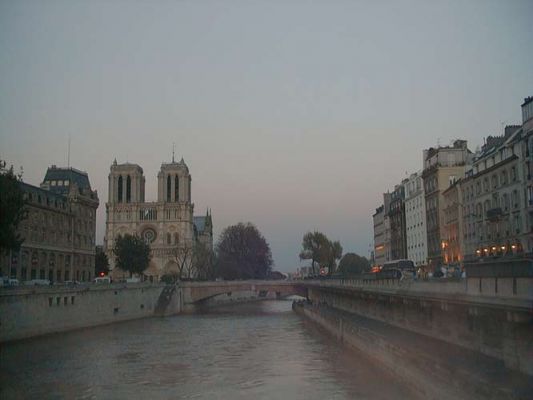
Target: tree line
324,253
241,252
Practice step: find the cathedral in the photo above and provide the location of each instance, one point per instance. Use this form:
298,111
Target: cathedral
166,224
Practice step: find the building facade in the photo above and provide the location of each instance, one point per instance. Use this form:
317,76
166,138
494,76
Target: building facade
167,224
497,196
442,167
382,232
527,166
452,243
398,235
415,220
58,231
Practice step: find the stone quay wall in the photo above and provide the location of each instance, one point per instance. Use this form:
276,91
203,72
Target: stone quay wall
32,311
432,368
499,324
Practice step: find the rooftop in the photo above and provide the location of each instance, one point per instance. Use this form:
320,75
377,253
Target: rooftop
72,175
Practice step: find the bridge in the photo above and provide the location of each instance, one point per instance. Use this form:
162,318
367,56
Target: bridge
197,292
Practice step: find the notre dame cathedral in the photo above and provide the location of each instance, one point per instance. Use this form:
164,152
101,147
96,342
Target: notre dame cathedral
164,224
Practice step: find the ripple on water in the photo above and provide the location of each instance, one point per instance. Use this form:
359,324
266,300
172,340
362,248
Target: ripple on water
258,350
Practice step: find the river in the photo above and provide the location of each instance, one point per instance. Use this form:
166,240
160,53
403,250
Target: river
260,350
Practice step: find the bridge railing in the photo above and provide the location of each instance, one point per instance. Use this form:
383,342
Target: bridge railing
496,288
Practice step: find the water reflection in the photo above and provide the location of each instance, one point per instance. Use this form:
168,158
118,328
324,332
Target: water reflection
257,350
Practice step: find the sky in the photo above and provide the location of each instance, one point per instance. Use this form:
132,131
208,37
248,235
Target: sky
293,115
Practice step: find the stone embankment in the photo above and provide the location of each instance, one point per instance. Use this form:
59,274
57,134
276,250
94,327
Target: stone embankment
32,311
26,312
432,367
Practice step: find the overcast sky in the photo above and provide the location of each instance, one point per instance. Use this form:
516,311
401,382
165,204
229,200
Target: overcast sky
293,115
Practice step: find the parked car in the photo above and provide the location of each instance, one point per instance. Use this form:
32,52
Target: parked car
132,280
37,282
9,282
102,279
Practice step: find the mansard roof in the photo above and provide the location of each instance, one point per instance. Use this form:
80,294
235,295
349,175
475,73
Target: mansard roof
72,175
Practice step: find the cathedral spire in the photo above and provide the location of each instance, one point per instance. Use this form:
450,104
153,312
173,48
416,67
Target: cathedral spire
173,145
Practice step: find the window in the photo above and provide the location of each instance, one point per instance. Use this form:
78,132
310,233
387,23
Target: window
504,177
53,183
505,202
168,238
176,189
494,181
486,184
169,188
120,189
515,199
66,183
513,174
128,189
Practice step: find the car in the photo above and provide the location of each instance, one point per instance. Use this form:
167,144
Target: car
102,279
37,282
132,280
71,283
9,282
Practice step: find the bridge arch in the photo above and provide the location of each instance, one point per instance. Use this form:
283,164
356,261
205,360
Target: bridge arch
196,292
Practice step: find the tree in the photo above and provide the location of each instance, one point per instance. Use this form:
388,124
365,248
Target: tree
353,264
315,245
243,253
101,264
131,254
12,210
182,255
332,253
203,258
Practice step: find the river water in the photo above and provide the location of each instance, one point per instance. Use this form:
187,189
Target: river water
260,350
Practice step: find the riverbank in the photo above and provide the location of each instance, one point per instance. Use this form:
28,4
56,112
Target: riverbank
35,311
27,312
433,368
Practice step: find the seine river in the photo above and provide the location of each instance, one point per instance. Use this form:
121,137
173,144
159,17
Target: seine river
259,350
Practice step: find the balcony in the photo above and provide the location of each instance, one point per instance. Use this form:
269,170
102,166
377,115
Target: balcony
494,214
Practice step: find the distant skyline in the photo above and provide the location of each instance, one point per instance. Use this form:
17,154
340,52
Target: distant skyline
293,115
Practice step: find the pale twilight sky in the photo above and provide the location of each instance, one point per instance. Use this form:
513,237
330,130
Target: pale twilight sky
294,115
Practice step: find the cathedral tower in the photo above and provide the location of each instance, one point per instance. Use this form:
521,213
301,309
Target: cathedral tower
126,183
174,183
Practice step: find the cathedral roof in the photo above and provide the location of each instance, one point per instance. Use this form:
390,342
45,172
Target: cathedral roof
199,223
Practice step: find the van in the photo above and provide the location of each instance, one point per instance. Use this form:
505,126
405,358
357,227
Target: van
102,279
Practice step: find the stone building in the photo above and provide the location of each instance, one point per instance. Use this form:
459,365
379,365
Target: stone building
452,241
527,167
415,219
59,230
497,194
382,232
167,224
379,236
442,167
398,234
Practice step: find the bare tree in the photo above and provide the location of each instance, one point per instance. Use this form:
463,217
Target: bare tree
203,261
182,255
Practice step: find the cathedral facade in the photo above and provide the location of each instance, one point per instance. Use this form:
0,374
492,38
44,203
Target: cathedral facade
166,225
